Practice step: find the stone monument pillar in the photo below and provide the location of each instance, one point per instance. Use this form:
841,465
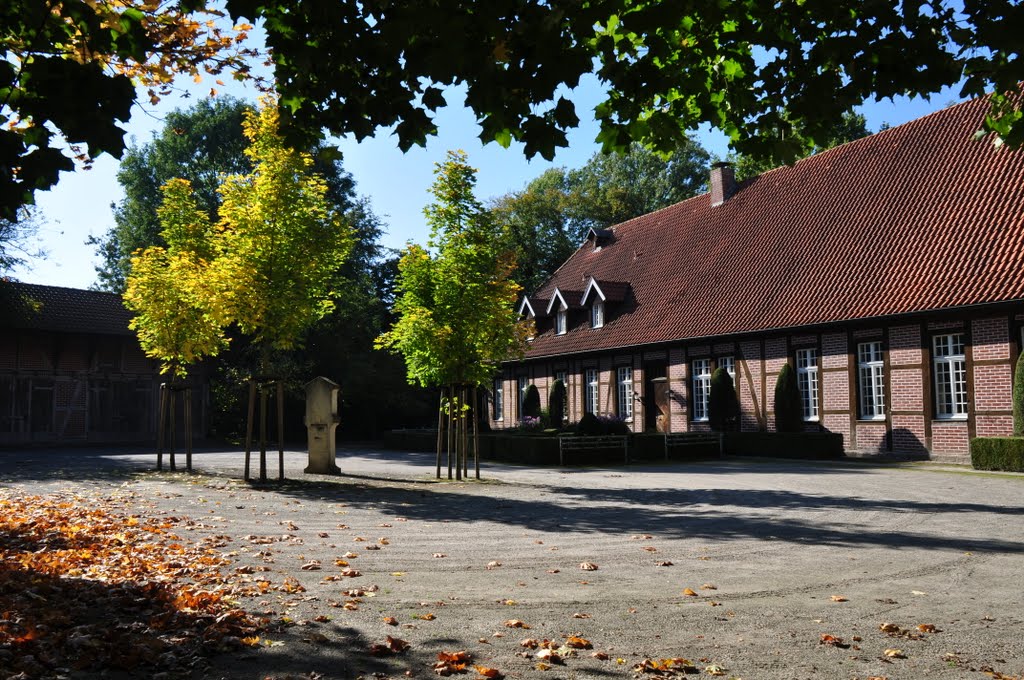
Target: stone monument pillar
321,422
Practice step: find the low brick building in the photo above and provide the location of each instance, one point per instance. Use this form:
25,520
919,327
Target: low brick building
71,370
888,271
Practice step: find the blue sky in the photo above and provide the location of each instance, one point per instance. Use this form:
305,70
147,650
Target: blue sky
397,183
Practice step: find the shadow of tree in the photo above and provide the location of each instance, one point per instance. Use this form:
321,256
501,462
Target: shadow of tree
708,513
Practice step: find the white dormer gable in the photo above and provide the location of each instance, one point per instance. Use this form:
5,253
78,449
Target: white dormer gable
526,309
593,287
561,302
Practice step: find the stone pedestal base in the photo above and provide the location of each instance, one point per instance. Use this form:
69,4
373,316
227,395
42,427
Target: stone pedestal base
321,450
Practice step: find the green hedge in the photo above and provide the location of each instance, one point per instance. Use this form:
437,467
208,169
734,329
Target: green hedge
803,445
998,453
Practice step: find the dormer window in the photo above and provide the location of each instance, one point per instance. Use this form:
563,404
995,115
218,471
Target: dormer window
561,321
597,314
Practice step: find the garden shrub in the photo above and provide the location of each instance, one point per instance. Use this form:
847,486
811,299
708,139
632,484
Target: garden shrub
556,404
589,426
998,453
613,425
531,402
1018,398
723,408
789,408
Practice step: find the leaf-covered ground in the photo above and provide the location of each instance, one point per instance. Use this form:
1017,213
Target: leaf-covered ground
88,585
737,570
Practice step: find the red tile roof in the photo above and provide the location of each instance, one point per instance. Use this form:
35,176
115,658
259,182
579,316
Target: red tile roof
916,218
65,310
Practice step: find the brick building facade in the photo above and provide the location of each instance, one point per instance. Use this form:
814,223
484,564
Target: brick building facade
71,371
889,272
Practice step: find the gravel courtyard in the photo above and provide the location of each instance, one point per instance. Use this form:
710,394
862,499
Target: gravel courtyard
747,568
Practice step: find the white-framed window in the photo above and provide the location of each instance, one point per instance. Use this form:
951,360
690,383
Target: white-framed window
590,385
625,392
807,381
597,314
561,321
870,363
522,382
563,376
499,399
950,364
701,380
729,364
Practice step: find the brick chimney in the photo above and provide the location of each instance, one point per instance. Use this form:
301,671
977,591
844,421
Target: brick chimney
723,183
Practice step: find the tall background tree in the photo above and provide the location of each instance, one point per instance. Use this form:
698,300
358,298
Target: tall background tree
550,217
456,319
846,128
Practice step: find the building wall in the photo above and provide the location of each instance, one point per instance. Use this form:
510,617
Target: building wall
66,388
911,424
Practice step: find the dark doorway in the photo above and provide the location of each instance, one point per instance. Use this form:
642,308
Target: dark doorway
656,418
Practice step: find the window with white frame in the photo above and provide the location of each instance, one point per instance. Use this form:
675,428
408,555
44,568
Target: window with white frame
871,382
729,364
561,321
950,364
522,382
597,314
701,388
807,381
625,393
590,385
498,396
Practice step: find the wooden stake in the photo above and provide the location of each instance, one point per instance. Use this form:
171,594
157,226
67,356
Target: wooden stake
440,430
263,434
476,431
173,428
161,427
280,429
248,425
188,429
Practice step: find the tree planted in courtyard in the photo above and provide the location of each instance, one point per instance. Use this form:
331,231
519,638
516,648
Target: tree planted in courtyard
723,407
456,298
281,241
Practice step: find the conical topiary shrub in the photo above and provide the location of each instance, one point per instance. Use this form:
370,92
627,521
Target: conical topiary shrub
723,408
1018,398
789,409
531,402
556,403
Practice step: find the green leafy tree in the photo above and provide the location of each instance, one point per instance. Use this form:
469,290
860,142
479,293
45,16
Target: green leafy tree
1018,398
723,407
455,309
847,128
550,217
744,68
72,70
200,145
281,241
788,403
18,240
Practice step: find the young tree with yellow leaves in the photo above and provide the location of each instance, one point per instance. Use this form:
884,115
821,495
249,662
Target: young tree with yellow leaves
267,265
456,305
178,304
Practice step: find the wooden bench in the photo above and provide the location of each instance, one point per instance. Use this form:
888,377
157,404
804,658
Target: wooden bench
578,443
674,440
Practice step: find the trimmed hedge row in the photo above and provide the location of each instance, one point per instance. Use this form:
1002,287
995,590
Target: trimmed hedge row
800,445
998,453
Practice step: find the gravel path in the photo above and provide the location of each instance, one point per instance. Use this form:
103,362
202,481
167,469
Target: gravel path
775,554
